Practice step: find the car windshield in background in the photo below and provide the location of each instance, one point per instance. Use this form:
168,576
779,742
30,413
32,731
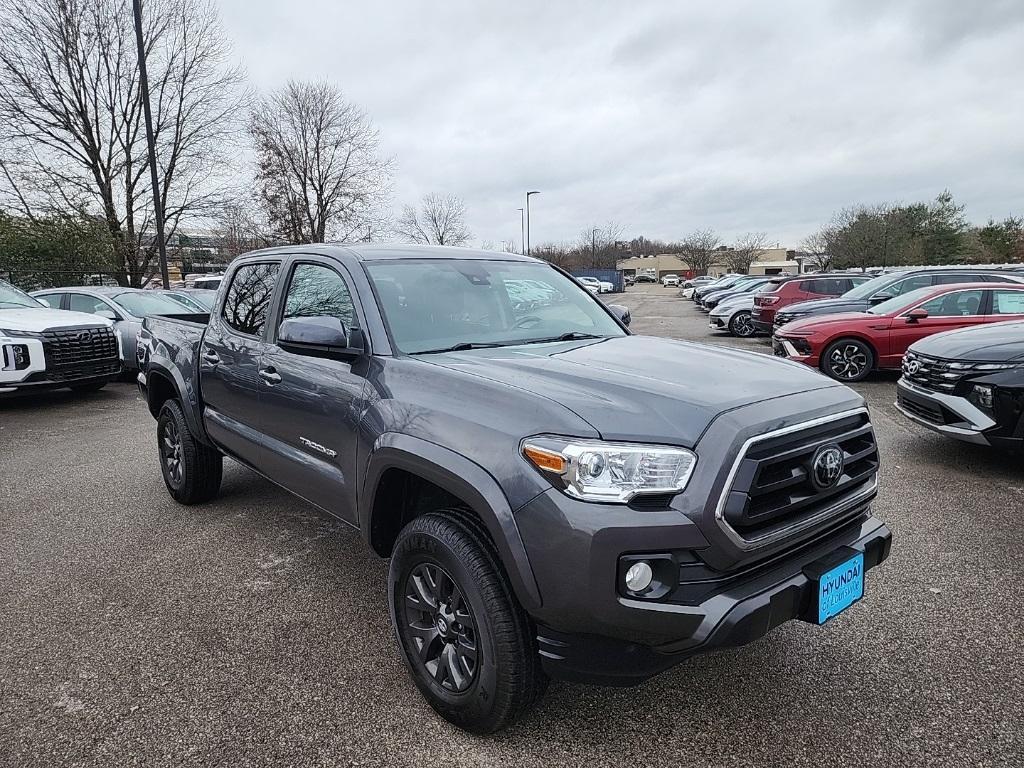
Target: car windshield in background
872,286
11,297
436,305
143,304
897,303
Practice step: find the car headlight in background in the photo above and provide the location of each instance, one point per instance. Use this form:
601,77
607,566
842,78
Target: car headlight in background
611,472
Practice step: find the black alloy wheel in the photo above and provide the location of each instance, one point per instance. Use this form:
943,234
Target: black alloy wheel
442,627
848,360
170,453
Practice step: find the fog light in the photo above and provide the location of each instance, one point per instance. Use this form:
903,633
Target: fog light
983,396
639,577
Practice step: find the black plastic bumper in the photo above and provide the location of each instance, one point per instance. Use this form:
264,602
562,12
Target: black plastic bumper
44,385
743,613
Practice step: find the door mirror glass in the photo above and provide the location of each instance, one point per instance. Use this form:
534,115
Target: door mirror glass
107,313
319,333
878,298
916,314
620,312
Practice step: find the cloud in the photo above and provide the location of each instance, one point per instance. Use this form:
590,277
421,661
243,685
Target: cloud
667,117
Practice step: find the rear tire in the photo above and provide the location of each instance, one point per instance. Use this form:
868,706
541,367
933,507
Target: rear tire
192,471
468,644
848,360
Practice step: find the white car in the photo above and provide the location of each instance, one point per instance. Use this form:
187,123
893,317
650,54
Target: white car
670,281
601,285
43,348
735,316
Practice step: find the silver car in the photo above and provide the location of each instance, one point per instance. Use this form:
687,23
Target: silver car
125,306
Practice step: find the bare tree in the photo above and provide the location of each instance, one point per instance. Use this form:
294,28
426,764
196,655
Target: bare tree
747,249
71,115
240,229
440,220
819,250
595,245
700,250
320,172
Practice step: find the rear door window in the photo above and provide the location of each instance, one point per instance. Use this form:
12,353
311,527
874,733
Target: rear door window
248,298
908,285
1008,302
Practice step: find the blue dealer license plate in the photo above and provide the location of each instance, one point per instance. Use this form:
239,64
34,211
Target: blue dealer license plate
840,587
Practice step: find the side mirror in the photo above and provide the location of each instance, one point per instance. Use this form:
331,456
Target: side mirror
916,314
620,312
320,335
878,298
107,313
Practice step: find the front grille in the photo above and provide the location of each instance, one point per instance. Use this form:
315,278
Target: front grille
931,372
773,489
69,351
921,410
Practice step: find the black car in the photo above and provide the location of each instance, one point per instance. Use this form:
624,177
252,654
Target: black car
968,384
557,497
888,285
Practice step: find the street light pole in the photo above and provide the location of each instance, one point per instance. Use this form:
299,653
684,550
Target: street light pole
533,192
522,232
593,247
158,208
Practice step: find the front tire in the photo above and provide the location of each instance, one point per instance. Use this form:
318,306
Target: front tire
848,360
468,644
742,325
192,471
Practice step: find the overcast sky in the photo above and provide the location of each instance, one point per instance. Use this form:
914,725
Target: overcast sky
668,116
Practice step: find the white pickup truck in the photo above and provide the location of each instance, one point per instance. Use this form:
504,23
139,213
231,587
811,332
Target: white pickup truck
43,348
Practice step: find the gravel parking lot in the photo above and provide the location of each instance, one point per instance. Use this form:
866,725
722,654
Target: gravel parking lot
253,631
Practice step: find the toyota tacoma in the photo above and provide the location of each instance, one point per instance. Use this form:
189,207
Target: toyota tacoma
557,496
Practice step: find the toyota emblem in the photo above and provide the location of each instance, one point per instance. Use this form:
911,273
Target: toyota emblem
827,466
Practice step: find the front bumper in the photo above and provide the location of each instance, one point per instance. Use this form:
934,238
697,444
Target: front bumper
718,323
42,384
744,611
949,415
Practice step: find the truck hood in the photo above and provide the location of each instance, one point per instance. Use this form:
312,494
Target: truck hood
827,306
640,388
43,319
996,343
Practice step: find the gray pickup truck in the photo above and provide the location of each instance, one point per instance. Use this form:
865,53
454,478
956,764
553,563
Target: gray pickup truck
558,497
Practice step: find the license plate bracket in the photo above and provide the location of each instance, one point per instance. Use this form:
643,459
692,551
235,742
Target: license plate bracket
837,582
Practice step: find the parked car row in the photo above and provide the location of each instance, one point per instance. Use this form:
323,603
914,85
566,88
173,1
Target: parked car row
956,334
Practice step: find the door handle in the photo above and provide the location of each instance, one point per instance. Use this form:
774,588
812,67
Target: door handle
211,357
270,375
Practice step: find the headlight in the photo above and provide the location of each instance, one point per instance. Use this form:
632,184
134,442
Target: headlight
596,471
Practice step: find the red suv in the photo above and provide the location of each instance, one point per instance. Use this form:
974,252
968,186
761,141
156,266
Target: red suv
790,290
849,345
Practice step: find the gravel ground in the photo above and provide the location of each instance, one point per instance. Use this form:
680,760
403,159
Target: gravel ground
253,631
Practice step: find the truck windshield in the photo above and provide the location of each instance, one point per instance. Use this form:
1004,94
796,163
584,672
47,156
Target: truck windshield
12,297
436,305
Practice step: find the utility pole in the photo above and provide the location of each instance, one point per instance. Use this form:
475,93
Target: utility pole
534,192
158,208
522,232
593,247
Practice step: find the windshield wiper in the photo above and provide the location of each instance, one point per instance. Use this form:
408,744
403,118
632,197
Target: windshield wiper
464,345
571,336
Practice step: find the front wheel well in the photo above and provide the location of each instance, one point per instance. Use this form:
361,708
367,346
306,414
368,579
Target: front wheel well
402,496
